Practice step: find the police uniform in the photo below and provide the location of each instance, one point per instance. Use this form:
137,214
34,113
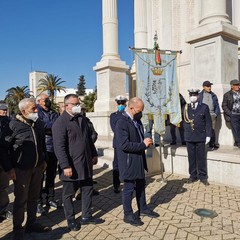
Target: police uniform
114,117
197,132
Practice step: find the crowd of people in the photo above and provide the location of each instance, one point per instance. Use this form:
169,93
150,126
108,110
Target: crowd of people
36,140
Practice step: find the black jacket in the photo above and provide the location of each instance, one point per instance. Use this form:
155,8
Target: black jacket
114,117
73,146
202,127
227,105
23,144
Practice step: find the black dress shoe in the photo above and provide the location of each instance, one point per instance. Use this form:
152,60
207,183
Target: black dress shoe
53,204
116,190
205,182
131,219
184,143
41,210
95,192
37,228
191,180
149,213
91,220
173,143
73,225
6,215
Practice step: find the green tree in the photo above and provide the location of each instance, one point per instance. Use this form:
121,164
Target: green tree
51,84
89,101
81,86
14,96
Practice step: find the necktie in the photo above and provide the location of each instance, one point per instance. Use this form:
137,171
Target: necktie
194,106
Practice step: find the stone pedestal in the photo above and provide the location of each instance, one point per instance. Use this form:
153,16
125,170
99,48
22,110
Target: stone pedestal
214,57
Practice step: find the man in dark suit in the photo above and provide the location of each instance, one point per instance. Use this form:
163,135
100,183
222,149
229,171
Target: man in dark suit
114,117
76,154
130,150
231,108
197,133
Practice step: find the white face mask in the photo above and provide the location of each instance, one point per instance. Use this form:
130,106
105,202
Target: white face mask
33,116
76,110
193,99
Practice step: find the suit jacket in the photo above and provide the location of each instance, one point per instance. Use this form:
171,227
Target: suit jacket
227,105
130,149
202,123
73,146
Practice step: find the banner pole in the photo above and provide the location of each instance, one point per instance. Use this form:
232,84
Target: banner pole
162,179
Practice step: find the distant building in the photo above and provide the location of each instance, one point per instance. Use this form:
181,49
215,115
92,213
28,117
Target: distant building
34,78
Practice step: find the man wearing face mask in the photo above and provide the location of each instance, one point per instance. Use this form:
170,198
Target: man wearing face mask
76,154
25,140
197,133
130,149
48,116
114,117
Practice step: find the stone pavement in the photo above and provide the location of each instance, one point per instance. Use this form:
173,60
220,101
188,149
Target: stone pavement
174,200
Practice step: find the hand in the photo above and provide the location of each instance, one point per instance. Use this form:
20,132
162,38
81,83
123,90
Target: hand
95,160
207,140
148,142
67,172
11,174
44,165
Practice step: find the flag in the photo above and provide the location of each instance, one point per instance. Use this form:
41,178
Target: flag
157,86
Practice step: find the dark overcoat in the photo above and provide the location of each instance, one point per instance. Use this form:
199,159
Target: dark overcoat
73,146
130,149
202,123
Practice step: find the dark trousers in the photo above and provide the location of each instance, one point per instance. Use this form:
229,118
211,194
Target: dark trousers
235,125
26,190
173,132
128,190
197,160
116,181
4,183
50,177
86,188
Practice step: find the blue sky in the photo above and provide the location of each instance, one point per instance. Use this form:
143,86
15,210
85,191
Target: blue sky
61,37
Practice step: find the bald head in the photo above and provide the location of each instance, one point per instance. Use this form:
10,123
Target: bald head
135,106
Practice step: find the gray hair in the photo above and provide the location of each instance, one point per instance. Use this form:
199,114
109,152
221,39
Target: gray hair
23,103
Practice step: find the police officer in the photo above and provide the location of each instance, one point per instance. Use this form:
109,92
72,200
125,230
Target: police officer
121,105
198,128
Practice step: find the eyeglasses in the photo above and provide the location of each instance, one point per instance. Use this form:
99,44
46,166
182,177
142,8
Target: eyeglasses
74,104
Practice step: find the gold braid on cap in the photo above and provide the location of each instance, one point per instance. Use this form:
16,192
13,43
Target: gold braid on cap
186,117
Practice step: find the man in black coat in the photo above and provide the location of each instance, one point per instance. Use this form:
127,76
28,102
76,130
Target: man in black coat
48,117
231,108
197,133
114,117
130,149
4,182
25,140
76,154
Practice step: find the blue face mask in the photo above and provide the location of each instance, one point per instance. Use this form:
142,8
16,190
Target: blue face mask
121,108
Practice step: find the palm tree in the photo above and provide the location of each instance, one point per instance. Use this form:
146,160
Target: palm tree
51,84
14,96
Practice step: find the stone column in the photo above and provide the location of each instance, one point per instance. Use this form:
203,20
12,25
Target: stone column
214,54
236,20
110,29
140,38
214,10
110,71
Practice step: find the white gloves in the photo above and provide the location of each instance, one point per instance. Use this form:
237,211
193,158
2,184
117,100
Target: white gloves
207,140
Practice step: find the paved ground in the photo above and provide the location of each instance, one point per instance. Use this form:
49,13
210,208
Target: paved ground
175,201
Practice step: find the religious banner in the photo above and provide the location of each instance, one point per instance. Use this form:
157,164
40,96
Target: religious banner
157,86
